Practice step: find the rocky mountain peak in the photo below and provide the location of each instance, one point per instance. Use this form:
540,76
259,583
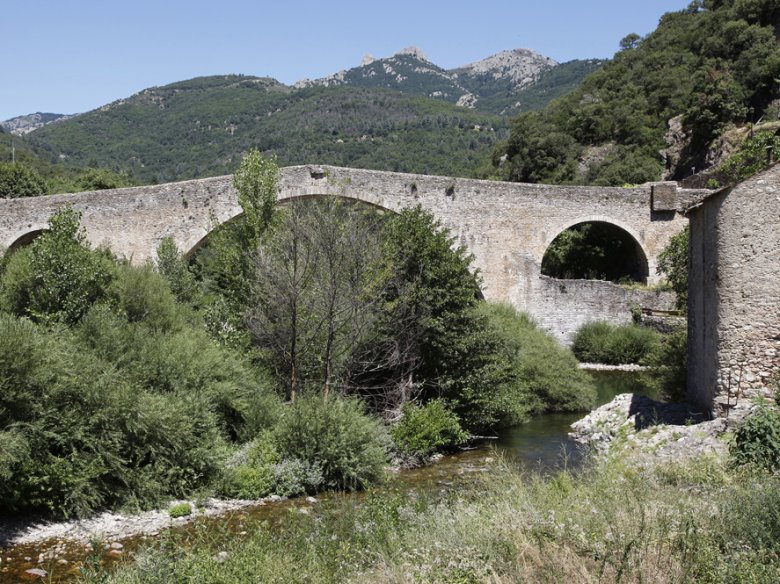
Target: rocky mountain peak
413,51
520,66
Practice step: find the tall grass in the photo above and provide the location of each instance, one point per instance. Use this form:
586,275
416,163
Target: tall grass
693,522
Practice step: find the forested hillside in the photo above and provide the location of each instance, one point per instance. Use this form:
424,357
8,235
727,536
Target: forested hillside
704,69
397,114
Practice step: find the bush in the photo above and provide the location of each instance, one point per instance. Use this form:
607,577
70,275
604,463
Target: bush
180,510
79,436
668,378
545,377
60,277
336,435
757,440
426,429
601,342
17,180
258,469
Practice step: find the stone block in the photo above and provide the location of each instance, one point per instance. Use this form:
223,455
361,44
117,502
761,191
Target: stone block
663,196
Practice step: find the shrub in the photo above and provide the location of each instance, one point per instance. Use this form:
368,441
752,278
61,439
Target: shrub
17,180
668,377
545,376
757,440
336,435
180,510
80,436
60,277
141,295
426,429
257,470
601,342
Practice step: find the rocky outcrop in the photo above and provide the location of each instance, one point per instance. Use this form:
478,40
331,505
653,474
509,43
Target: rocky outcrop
652,431
21,125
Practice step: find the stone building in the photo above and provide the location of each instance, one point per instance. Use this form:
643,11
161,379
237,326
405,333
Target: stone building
734,294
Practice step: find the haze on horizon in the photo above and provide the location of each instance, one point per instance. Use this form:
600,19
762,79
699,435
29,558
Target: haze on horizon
74,57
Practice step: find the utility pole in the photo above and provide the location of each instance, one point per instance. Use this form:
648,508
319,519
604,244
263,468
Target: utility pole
13,150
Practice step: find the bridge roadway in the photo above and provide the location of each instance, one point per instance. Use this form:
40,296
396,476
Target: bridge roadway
506,226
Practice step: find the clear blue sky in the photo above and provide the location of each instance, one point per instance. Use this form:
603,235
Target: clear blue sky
76,55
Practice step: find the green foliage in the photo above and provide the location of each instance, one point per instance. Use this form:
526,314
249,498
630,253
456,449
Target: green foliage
180,510
60,277
668,376
172,265
673,263
258,469
594,251
601,342
17,180
544,377
83,438
335,434
757,440
750,158
425,429
712,67
226,266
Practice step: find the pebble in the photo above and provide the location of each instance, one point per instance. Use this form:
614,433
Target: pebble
222,557
36,573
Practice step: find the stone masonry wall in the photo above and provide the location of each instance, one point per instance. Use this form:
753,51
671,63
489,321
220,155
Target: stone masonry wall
734,310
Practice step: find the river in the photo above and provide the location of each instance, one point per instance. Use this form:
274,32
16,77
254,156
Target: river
540,445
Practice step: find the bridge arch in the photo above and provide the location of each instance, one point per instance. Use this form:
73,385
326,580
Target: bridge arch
193,245
636,265
24,240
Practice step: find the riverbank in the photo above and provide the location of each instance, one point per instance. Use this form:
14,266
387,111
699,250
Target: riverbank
698,520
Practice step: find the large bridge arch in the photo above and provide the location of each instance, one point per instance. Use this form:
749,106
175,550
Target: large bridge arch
192,245
506,226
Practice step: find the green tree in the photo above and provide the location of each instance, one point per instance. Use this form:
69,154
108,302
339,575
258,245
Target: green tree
172,265
17,180
673,264
225,266
59,277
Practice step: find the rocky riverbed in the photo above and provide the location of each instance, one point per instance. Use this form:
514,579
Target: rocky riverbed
650,431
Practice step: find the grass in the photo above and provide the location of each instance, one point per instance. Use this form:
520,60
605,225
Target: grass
699,521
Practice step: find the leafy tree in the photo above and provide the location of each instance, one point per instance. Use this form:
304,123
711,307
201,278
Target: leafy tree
316,293
673,263
174,268
59,277
225,267
17,180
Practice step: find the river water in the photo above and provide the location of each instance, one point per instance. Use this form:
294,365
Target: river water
540,445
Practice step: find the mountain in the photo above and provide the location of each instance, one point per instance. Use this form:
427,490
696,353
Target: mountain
497,84
21,125
401,113
667,106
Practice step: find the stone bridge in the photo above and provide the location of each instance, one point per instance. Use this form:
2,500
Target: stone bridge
506,226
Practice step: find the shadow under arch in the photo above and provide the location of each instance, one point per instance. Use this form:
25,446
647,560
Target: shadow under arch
596,248
191,249
24,240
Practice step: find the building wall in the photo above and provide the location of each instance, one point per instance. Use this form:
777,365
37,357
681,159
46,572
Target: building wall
734,288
